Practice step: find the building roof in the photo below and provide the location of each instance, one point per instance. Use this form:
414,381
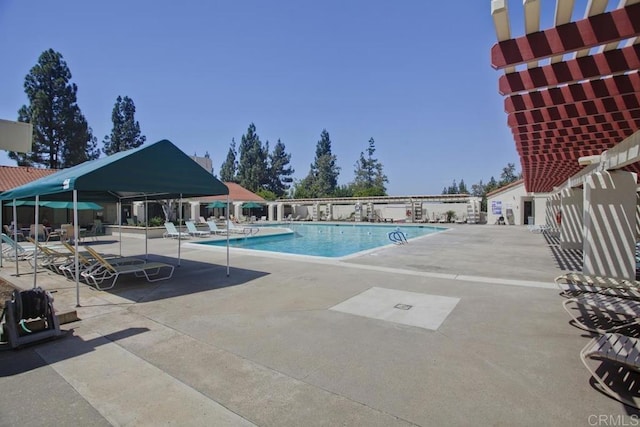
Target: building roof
505,188
571,90
15,176
236,193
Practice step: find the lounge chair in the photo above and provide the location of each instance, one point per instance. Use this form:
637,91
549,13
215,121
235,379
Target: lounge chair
107,271
50,256
573,284
201,220
173,232
242,229
214,229
86,261
617,312
193,231
12,249
618,349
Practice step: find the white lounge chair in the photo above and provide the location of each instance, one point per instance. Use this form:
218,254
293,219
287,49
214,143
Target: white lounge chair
242,229
108,271
573,284
214,229
617,312
618,349
192,230
173,232
12,249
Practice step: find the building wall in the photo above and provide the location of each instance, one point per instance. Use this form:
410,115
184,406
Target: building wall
514,198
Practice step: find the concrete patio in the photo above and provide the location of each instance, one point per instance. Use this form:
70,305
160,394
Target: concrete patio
275,344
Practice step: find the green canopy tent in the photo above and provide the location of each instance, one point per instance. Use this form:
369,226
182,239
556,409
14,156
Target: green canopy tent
149,172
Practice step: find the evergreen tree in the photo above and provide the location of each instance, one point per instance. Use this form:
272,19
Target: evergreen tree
369,178
322,180
252,167
478,190
508,174
462,187
279,170
61,135
230,165
125,133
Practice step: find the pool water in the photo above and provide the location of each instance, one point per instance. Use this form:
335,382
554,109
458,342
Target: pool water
327,240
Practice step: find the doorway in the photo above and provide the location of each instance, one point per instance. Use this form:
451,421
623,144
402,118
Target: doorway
528,212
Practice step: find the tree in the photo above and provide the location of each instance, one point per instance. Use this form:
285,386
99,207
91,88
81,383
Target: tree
230,165
369,178
252,167
279,171
61,135
508,175
125,133
462,187
322,179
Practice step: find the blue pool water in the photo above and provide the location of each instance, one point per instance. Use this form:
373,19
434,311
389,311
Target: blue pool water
326,240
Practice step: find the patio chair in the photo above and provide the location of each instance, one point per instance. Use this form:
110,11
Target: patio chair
242,229
49,256
107,271
214,229
617,312
192,230
42,232
173,232
619,350
9,231
573,284
12,249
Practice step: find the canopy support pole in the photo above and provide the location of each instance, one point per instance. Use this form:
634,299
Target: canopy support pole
76,233
35,250
228,201
146,228
179,227
119,216
15,236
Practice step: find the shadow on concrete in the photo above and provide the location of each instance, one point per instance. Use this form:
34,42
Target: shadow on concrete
24,359
189,278
566,259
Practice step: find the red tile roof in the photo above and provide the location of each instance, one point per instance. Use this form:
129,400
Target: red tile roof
14,176
237,193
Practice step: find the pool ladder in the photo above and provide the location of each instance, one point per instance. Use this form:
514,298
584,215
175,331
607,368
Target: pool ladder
398,237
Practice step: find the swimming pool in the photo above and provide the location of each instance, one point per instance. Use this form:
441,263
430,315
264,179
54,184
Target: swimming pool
326,240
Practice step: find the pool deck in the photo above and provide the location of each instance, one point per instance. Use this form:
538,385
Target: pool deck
277,344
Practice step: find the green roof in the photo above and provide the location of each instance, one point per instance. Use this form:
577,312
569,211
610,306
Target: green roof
155,171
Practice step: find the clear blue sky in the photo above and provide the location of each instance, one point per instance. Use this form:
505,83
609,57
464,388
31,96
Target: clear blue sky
415,75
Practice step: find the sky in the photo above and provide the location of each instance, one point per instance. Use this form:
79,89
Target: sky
414,75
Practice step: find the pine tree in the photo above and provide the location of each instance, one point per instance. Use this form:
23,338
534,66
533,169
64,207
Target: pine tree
252,167
230,165
125,133
462,187
279,170
322,180
369,178
61,135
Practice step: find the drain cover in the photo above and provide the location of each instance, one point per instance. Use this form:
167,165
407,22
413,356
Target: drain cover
403,306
